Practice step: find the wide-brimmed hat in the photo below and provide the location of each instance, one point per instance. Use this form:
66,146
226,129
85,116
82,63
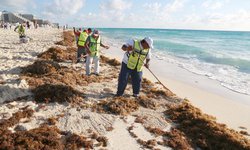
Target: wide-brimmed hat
149,41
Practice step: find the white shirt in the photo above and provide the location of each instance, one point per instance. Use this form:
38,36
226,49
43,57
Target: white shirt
130,42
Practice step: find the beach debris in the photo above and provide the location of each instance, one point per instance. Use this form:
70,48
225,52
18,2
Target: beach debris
74,141
44,137
244,133
58,54
117,105
176,140
20,128
2,82
48,93
155,131
109,128
202,129
16,117
52,120
147,102
147,144
33,139
153,91
111,62
130,130
59,43
161,92
103,140
141,119
41,68
68,39
45,72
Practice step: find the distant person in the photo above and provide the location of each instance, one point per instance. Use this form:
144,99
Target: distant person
137,51
20,30
81,51
77,33
93,44
35,25
5,25
28,24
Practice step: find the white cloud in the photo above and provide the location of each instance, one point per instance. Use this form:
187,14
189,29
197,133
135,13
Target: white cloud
115,5
20,6
163,13
175,6
214,4
153,7
114,10
62,8
239,20
14,3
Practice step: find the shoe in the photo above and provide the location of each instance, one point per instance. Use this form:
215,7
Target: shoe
135,95
77,61
97,74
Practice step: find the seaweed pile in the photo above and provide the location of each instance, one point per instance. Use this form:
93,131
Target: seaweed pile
203,130
68,39
58,54
117,106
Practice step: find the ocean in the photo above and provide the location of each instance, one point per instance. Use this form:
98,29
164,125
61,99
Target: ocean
220,55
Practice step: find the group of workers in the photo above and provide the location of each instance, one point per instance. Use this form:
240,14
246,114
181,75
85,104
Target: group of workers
137,54
89,45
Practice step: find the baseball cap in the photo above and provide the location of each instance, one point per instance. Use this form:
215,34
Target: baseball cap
96,33
149,41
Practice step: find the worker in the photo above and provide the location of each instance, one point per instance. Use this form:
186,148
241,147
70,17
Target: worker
92,45
21,31
81,51
136,52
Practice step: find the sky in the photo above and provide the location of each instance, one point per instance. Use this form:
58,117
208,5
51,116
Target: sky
167,14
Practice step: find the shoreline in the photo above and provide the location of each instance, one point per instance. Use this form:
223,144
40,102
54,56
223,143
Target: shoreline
228,107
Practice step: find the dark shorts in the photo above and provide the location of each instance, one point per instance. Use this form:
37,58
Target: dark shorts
81,51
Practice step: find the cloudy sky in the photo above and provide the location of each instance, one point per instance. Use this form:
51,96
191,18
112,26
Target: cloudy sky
170,14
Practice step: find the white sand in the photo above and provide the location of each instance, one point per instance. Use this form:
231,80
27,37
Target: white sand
14,55
230,108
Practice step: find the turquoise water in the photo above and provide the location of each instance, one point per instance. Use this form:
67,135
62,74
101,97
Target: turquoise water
221,55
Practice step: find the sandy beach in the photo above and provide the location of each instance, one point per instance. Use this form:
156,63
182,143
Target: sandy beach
83,112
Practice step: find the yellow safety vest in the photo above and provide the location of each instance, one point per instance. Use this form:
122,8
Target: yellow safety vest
137,57
21,30
94,47
82,38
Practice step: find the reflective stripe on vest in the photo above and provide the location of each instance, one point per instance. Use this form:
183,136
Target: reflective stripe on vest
82,38
95,46
137,57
